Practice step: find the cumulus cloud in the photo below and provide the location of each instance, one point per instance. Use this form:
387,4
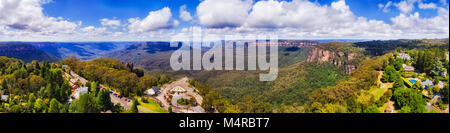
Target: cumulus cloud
223,13
306,19
415,24
27,15
113,23
299,13
185,15
155,20
91,30
427,5
406,6
444,2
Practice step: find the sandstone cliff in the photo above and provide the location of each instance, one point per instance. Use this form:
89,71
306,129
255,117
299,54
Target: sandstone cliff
346,61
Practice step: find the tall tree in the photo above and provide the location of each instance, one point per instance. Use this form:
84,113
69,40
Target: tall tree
134,108
104,100
54,106
87,104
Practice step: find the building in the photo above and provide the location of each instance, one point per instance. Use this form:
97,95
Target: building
427,83
153,91
4,97
443,73
408,68
80,91
404,56
178,89
441,85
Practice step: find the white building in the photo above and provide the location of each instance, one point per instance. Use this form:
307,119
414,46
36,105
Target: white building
404,56
153,91
4,97
80,91
441,85
443,73
408,68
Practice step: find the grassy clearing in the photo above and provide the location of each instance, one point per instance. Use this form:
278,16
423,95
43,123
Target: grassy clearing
151,105
371,95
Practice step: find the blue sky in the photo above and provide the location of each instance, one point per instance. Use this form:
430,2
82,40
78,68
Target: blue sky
55,20
91,11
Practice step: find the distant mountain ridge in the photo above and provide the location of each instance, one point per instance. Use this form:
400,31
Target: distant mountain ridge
150,55
82,51
25,52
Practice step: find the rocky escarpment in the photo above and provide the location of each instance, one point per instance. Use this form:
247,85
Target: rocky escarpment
346,61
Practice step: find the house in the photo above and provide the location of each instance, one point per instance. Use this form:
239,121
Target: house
4,97
427,83
153,91
443,73
441,84
404,56
80,91
408,68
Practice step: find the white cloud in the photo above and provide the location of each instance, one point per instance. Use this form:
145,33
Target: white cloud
300,14
444,2
155,20
414,24
385,8
427,5
305,19
185,15
296,19
406,6
91,30
113,23
223,13
27,16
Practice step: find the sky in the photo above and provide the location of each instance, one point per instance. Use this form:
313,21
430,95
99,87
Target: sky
163,20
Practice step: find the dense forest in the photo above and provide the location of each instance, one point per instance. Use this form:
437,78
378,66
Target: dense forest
323,88
40,87
380,80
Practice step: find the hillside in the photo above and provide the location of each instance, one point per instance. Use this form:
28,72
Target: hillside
150,55
342,55
25,52
82,50
378,48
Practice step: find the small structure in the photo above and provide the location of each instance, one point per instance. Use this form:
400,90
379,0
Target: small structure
80,91
153,91
178,89
408,68
441,84
4,97
404,56
443,73
427,83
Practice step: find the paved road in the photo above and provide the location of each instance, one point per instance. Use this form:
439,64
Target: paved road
145,110
165,91
124,104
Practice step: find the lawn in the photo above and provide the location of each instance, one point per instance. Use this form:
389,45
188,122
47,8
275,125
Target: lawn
151,105
377,92
373,94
